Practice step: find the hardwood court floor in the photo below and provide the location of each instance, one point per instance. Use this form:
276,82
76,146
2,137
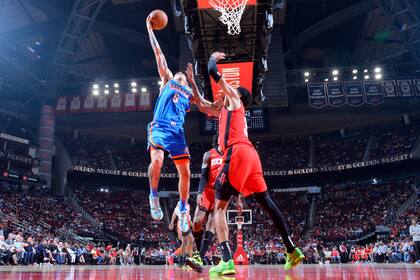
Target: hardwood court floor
313,272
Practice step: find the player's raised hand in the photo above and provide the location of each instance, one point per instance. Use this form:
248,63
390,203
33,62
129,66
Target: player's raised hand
149,23
218,56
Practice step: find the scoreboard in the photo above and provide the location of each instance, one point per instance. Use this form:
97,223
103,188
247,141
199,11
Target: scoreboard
257,120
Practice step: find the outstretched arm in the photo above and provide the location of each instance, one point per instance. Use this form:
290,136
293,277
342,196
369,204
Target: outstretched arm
227,91
164,72
203,105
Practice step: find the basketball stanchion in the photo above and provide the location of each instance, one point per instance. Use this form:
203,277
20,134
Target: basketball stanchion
240,257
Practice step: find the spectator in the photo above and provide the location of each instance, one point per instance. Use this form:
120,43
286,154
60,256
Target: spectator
415,233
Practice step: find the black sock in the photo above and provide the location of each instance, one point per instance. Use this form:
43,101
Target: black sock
206,243
226,253
198,236
273,211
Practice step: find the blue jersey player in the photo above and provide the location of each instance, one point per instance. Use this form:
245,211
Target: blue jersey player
166,133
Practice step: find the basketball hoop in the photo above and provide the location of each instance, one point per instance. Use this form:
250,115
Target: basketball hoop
231,11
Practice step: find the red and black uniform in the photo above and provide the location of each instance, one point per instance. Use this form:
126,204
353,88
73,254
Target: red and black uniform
212,164
242,170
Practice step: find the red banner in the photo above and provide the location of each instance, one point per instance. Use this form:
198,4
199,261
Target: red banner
61,106
130,102
205,4
75,104
89,103
145,102
235,74
102,103
116,102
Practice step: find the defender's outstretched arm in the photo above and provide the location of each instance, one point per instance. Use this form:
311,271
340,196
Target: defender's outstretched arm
203,105
227,91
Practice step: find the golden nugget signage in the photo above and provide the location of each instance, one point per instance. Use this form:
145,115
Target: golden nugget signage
13,157
340,167
301,171
114,172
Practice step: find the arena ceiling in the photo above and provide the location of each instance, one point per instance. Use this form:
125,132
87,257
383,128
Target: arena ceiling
316,33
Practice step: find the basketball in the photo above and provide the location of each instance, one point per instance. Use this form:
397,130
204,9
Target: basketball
159,19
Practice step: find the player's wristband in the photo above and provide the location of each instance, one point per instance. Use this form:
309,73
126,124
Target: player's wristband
213,70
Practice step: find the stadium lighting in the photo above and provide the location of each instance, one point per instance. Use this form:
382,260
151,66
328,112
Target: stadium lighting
306,74
106,91
374,181
95,92
354,71
378,70
117,91
133,90
133,84
95,86
335,78
106,86
306,80
326,80
354,77
378,76
143,89
365,71
335,72
116,85
159,82
367,77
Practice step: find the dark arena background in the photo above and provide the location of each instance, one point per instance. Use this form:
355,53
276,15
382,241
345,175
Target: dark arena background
335,118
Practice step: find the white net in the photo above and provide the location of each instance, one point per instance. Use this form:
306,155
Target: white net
231,11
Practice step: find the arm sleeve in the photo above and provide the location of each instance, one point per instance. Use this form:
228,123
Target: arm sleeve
205,167
213,70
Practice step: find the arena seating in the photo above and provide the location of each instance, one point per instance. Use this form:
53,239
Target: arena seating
125,213
52,212
334,149
348,212
276,154
395,140
281,154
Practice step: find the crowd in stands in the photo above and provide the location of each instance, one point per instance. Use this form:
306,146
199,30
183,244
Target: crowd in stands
124,213
282,154
276,154
40,214
335,148
395,140
88,151
341,211
348,212
17,250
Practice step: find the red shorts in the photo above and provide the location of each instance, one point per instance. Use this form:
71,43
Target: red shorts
241,171
207,200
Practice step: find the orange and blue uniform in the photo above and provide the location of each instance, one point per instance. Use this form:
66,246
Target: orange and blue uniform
166,131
